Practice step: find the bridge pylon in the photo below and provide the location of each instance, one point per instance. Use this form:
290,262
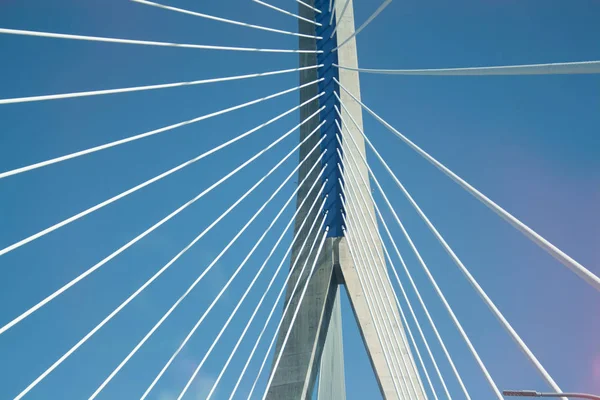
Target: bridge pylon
314,346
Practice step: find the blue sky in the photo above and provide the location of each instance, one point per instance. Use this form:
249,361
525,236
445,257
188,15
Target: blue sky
530,143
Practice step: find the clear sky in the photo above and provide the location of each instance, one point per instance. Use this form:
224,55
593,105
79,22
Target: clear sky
530,143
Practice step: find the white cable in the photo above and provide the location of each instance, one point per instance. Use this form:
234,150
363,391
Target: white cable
231,279
136,188
352,223
60,96
355,257
146,134
441,295
579,67
278,269
312,8
503,321
232,314
145,42
332,11
393,268
287,305
155,276
565,259
283,287
211,265
394,368
364,25
339,18
146,232
290,14
357,209
83,275
287,334
228,21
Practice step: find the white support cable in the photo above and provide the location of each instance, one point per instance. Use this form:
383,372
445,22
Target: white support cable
215,260
147,134
564,258
355,257
351,161
288,13
438,291
287,306
53,35
281,291
228,21
156,275
233,313
332,12
354,223
407,365
102,92
386,338
277,270
364,25
312,8
234,275
121,195
339,18
486,299
287,334
578,67
374,283
96,266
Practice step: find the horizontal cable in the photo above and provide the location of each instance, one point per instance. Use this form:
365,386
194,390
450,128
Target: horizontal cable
565,259
228,21
578,67
135,188
339,18
351,161
146,42
164,268
287,13
287,304
284,285
277,270
295,315
421,261
311,7
219,256
146,87
120,250
364,25
258,242
147,134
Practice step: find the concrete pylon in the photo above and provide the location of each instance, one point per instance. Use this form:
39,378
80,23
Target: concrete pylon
314,347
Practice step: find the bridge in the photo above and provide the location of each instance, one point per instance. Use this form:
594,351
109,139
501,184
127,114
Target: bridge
198,201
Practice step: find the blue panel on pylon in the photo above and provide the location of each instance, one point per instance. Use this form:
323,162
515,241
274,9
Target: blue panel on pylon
328,72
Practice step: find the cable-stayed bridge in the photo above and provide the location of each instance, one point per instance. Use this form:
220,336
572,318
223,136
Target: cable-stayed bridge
274,233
